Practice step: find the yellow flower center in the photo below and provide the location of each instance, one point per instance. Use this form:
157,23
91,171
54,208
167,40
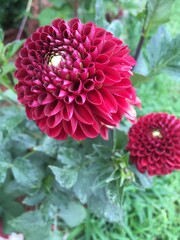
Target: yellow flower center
156,134
55,60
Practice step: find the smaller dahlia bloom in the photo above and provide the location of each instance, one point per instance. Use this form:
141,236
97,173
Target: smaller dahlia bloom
154,144
74,80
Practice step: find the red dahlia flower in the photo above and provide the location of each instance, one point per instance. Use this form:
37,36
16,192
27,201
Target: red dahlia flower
154,143
74,80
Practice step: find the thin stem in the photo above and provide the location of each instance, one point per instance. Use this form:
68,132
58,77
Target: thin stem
23,23
76,5
140,44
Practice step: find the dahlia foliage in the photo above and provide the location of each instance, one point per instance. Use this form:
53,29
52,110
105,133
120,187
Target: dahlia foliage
74,79
154,143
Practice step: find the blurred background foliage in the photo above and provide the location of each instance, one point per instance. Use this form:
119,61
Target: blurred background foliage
45,184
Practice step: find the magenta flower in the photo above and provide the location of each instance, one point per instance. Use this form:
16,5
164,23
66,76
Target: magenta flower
154,143
74,80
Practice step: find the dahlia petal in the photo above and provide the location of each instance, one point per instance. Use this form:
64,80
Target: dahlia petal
80,99
100,33
53,121
84,74
45,98
104,132
37,89
109,46
109,100
88,130
94,97
54,132
72,22
103,116
112,74
94,52
29,112
70,126
25,62
51,87
21,74
53,108
86,42
33,103
89,30
99,77
128,110
83,114
23,52
56,22
35,36
131,60
18,62
75,87
88,85
41,123
102,59
91,68
67,112
69,99
62,135
38,112
79,134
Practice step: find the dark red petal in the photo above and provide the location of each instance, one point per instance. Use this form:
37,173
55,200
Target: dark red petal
109,101
67,112
88,130
53,108
94,97
83,114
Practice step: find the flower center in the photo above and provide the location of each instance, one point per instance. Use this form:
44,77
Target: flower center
55,60
156,134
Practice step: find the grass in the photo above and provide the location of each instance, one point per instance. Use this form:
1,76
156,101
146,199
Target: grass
151,215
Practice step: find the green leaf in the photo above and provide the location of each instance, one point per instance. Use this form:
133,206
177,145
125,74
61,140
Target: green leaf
120,139
142,180
163,53
10,207
10,94
21,143
64,176
11,48
73,214
57,3
49,146
8,67
69,156
102,207
32,225
114,176
113,213
10,117
115,192
1,35
5,164
35,199
100,14
82,187
27,173
139,79
158,12
115,27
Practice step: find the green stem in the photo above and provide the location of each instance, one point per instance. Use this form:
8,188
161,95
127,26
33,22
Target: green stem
23,23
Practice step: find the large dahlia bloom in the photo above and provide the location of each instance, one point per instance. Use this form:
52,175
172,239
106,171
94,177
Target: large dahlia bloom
154,143
74,80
